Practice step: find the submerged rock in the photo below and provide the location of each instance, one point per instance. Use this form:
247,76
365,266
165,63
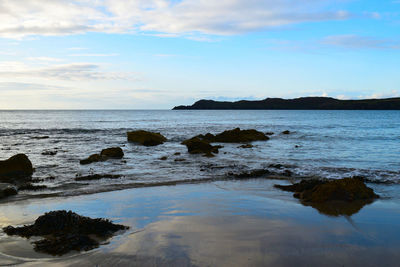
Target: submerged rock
196,145
64,231
252,174
31,187
7,190
332,196
49,152
246,146
18,167
93,158
146,138
97,177
286,132
113,152
235,136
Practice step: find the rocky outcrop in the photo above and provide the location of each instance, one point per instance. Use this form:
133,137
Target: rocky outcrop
317,191
64,231
333,197
196,145
17,168
146,138
97,177
112,152
7,190
235,136
105,154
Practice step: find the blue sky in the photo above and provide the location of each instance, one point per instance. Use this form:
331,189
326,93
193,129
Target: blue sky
153,54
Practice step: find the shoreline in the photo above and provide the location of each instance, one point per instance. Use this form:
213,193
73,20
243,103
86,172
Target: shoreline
216,223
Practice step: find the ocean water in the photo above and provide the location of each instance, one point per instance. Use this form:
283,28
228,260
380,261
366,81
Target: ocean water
332,144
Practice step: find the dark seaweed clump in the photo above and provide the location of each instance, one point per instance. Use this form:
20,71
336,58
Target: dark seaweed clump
64,231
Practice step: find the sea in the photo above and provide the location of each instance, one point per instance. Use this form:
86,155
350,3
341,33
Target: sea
323,144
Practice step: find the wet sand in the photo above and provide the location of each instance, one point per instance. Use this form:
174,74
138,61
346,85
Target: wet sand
232,223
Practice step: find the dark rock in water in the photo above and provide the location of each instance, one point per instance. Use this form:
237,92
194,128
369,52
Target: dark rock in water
286,132
179,160
246,146
31,187
105,154
196,145
269,133
49,153
93,158
18,167
275,166
177,153
66,231
112,152
146,138
235,136
7,190
164,158
40,137
332,196
97,177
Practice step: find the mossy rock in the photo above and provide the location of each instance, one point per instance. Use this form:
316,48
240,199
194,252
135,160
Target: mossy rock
146,138
15,168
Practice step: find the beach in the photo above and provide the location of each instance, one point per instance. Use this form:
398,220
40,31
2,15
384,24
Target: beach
241,223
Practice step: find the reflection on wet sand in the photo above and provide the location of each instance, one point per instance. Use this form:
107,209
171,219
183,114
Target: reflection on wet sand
231,224
339,208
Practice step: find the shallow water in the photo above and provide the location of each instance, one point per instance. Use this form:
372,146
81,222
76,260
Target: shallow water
331,144
241,223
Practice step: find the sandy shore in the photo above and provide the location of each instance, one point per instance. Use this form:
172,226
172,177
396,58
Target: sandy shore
247,223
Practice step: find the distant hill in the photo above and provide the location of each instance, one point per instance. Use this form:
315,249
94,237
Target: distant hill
313,103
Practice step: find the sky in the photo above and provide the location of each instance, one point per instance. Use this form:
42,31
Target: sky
155,54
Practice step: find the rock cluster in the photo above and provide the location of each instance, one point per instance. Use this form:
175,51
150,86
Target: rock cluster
235,136
64,231
105,154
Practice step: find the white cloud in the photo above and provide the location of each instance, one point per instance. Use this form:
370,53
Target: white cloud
205,17
360,42
94,55
72,72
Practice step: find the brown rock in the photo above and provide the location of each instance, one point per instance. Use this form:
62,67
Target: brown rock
112,152
146,138
16,167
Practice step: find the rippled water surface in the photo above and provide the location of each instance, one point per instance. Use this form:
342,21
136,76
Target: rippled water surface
322,143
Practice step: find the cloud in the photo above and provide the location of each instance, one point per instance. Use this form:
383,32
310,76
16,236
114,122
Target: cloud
360,42
19,19
72,72
94,55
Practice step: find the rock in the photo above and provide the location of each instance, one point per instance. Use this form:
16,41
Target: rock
93,158
253,174
286,132
196,145
235,136
179,160
177,153
7,190
318,191
31,187
164,158
112,152
49,153
40,137
246,146
146,138
97,177
16,167
269,133
64,231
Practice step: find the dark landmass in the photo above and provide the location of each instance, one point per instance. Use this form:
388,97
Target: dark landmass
302,103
